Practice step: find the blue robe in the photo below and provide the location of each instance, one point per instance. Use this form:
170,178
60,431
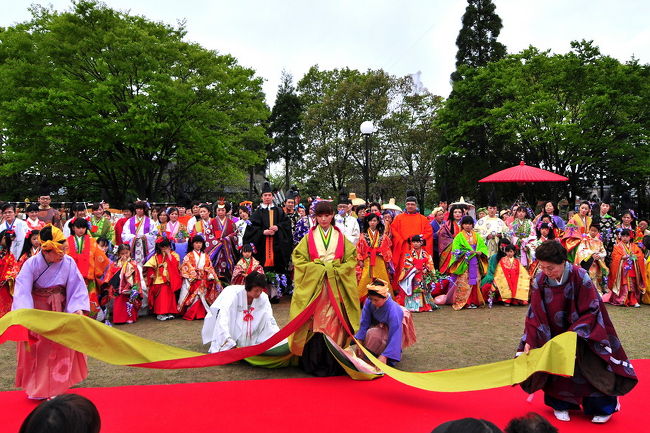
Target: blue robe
391,315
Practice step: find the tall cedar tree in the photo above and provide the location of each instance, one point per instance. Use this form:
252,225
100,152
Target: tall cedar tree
285,125
477,40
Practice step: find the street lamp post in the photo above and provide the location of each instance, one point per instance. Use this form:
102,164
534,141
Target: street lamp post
367,128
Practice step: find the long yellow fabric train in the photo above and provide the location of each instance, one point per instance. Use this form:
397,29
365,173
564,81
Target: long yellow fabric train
121,348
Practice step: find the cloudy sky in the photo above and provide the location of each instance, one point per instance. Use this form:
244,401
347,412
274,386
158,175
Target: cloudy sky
401,37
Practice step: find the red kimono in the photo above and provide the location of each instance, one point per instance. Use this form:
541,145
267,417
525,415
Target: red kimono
627,278
163,279
243,268
201,285
8,272
92,264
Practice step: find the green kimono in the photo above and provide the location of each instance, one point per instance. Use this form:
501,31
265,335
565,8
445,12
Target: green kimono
460,262
310,276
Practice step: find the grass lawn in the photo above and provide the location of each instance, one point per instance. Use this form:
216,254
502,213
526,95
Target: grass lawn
446,339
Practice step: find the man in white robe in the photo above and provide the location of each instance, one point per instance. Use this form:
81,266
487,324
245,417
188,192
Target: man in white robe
241,316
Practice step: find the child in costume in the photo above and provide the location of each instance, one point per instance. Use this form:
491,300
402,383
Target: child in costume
246,265
127,284
8,271
415,294
469,262
523,233
511,279
591,257
163,278
627,280
32,246
200,282
91,262
373,253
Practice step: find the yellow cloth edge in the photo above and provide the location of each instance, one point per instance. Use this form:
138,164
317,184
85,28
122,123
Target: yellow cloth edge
121,348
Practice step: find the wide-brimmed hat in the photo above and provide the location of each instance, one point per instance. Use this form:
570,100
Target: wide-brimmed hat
356,201
391,205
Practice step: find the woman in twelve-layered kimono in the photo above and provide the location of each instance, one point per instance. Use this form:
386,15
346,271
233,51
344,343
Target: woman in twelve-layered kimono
50,281
446,236
201,284
373,253
469,262
324,272
627,280
140,234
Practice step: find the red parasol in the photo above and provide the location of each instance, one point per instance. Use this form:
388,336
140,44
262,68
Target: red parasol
523,173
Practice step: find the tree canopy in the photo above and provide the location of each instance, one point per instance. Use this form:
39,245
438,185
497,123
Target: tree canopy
124,106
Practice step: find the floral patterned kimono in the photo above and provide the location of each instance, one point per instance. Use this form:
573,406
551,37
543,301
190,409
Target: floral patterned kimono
128,284
374,250
588,248
470,268
8,273
245,267
200,285
92,263
415,295
523,233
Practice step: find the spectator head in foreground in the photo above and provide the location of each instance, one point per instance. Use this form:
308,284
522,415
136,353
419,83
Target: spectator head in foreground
530,423
467,425
67,413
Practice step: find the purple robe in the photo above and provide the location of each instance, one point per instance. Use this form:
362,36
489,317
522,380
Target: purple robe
573,304
391,315
35,273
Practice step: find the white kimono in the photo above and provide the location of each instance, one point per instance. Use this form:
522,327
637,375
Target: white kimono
231,323
491,226
20,229
349,226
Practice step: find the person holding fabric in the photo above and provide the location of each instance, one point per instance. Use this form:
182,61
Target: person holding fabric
140,234
404,227
373,253
163,279
200,282
270,232
386,328
324,272
469,262
563,299
50,281
627,281
241,316
91,261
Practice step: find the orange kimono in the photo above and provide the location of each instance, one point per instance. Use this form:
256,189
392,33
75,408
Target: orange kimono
627,279
8,272
201,286
92,264
404,227
163,278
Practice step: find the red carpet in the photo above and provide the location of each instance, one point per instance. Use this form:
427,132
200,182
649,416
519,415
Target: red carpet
318,405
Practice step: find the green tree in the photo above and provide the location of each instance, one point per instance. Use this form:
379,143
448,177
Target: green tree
579,114
477,40
336,102
285,127
413,136
126,102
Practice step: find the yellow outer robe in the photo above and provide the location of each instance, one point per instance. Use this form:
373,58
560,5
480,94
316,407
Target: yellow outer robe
310,279
523,283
